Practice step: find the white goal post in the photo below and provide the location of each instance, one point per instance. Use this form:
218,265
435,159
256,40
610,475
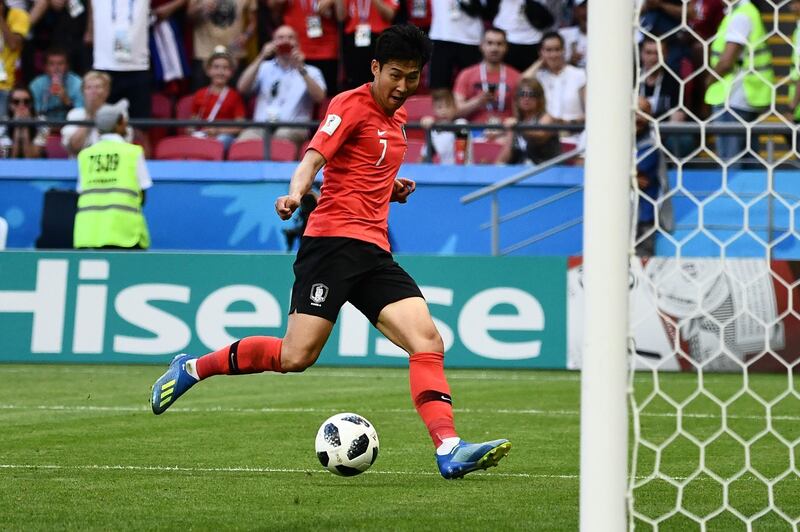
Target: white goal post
690,401
606,244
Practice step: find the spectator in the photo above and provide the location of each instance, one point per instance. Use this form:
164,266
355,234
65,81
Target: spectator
62,24
443,141
228,23
112,180
287,88
218,101
22,142
523,22
529,146
119,33
57,90
314,22
575,39
484,93
169,58
456,29
659,18
564,85
96,88
662,91
657,84
14,25
364,20
741,77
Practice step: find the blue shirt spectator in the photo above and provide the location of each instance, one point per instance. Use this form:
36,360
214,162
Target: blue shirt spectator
57,90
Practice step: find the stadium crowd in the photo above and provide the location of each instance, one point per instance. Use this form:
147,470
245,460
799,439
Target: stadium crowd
501,63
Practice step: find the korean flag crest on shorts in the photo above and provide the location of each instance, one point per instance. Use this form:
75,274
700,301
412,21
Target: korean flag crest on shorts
319,292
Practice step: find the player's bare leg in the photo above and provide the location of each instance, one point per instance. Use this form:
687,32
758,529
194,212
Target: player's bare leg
408,324
297,350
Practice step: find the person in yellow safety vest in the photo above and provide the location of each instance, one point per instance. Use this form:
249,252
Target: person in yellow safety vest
742,80
112,181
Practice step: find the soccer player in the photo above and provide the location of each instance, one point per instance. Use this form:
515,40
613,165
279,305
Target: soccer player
344,256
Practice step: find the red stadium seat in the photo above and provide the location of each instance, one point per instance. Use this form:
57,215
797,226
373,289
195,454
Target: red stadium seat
253,150
186,147
183,111
303,148
414,151
419,106
282,150
161,107
246,150
54,149
485,152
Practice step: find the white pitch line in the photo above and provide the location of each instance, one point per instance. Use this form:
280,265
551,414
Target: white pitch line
287,410
166,469
247,469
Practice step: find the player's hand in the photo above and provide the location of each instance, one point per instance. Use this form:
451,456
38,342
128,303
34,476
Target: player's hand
286,205
403,188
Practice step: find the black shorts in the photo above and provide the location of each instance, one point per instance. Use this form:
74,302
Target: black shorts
329,271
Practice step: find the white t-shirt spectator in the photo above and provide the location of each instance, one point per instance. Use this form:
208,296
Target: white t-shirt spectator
563,92
511,19
282,92
451,24
120,35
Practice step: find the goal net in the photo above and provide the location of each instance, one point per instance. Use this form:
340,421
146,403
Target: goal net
714,332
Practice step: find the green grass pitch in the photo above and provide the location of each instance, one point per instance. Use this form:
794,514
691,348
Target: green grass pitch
80,450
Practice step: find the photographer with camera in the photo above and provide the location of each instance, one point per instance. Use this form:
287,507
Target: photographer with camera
286,86
484,93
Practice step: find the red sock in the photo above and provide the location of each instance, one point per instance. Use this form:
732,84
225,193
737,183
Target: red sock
431,395
253,354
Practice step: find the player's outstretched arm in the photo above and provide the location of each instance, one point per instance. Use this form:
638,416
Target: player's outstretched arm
300,184
403,187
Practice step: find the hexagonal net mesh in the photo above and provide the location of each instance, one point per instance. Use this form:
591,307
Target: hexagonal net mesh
715,331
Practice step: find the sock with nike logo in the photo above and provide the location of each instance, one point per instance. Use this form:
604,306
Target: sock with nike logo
253,354
431,395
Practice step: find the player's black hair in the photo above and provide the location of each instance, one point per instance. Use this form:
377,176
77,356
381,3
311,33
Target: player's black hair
403,42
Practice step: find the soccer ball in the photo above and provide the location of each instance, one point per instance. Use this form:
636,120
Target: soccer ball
347,444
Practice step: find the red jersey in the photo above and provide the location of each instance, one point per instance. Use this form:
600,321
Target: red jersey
358,10
364,149
324,47
204,104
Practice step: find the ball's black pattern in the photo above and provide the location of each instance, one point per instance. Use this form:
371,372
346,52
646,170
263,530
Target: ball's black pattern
332,435
324,458
374,455
358,446
347,471
358,420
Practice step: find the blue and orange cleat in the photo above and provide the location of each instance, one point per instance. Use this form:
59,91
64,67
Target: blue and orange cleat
172,384
468,457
